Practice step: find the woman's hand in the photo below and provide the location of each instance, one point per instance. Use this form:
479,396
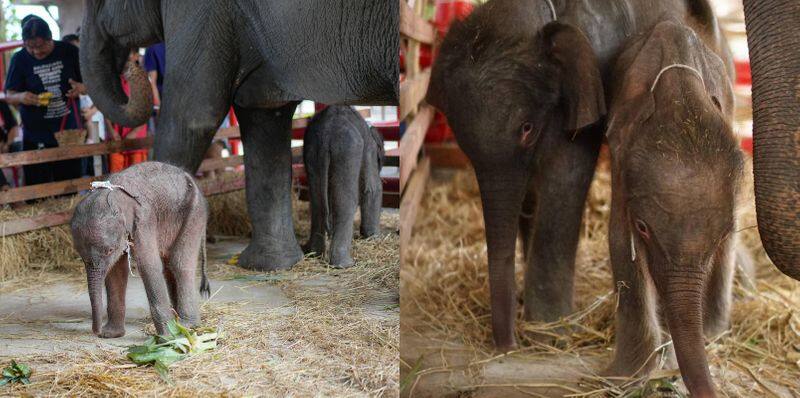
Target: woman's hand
89,112
77,89
24,98
5,147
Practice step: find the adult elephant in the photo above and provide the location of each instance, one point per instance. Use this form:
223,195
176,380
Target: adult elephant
773,35
260,56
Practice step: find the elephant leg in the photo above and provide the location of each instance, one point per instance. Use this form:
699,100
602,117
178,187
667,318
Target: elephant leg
561,183
638,326
152,272
183,262
317,172
371,193
526,224
198,100
343,203
170,279
747,268
717,306
268,164
116,285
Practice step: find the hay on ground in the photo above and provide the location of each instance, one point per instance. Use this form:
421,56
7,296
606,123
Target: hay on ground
333,339
444,285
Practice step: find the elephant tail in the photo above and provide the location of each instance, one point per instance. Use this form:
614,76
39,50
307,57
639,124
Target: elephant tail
200,200
205,287
324,192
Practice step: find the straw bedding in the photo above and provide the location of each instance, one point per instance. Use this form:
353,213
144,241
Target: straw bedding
332,340
446,299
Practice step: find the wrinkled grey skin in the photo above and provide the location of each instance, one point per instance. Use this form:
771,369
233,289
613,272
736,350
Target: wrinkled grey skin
525,97
343,156
163,213
676,168
259,56
773,35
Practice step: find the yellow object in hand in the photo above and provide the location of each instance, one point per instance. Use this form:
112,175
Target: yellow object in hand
44,98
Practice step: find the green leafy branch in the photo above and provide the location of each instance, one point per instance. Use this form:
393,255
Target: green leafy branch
163,351
16,373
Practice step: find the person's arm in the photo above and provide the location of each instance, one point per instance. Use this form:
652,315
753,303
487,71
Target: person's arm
11,137
153,76
16,91
76,82
21,98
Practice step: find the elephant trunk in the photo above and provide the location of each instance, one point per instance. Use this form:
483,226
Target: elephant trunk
773,35
96,281
102,63
501,195
683,292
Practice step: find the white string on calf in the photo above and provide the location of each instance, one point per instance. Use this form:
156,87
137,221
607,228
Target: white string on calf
128,245
679,66
108,185
633,248
552,10
105,185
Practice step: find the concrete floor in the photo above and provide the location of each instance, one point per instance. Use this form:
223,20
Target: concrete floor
31,319
56,317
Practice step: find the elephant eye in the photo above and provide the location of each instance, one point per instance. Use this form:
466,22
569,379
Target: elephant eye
715,100
527,137
527,127
641,227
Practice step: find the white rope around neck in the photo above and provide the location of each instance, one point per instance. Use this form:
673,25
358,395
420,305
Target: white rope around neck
105,185
108,185
633,248
552,10
679,66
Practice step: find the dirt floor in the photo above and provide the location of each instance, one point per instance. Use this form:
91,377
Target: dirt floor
445,329
311,331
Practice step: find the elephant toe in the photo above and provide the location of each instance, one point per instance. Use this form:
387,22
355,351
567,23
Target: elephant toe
259,258
313,250
341,263
111,332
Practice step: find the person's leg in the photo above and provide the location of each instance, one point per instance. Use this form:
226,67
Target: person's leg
66,169
36,173
116,162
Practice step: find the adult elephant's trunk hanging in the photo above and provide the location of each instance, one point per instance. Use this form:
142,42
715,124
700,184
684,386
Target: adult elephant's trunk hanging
102,63
96,282
682,293
773,34
501,195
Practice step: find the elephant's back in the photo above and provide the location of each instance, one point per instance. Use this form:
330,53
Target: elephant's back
163,187
336,130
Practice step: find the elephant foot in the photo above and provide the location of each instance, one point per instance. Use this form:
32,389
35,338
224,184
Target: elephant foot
111,331
314,248
341,263
369,233
551,336
541,308
619,369
189,320
506,348
341,258
260,258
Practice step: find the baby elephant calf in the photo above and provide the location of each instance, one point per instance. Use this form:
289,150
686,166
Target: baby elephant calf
676,167
343,157
155,213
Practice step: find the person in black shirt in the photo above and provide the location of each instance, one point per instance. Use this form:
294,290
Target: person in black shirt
45,66
8,131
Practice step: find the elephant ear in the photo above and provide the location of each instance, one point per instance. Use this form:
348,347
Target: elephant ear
582,93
